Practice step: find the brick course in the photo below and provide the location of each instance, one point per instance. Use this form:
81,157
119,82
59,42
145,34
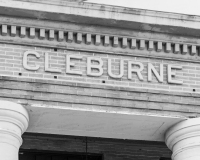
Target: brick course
92,96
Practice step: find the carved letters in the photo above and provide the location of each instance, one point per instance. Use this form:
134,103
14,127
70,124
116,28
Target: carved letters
95,63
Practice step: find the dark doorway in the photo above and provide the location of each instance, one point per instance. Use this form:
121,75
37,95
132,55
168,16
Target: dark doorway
46,155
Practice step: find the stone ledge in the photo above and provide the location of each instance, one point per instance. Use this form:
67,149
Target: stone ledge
95,14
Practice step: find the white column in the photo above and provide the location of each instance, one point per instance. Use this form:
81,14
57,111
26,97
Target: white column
13,122
184,140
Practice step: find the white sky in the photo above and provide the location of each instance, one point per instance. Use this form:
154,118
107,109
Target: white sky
191,7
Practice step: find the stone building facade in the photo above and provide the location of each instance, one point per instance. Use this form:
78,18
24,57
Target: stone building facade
88,81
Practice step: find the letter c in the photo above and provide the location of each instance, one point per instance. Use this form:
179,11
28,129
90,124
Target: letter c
25,60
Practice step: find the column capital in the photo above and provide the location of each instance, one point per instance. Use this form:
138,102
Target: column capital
184,140
14,121
15,113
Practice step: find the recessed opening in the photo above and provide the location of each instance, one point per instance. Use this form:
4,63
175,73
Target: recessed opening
51,155
55,49
20,74
103,81
55,77
192,116
164,158
194,90
173,75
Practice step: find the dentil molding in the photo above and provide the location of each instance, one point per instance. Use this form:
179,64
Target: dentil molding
67,39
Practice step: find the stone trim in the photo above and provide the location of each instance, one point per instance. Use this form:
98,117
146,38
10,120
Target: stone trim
95,39
119,10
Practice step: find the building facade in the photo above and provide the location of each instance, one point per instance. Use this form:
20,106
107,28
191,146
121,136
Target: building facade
88,81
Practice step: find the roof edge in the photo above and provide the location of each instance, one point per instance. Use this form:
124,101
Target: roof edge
104,15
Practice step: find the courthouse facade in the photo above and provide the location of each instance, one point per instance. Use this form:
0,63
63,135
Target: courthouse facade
83,81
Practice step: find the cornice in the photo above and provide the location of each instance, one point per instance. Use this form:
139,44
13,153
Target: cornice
54,2
116,9
98,42
103,15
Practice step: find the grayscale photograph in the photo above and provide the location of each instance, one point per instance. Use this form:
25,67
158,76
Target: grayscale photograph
99,80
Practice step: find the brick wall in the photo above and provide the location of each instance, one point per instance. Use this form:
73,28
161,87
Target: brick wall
111,149
11,65
74,95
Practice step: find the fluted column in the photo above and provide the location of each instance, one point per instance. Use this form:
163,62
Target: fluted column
13,122
184,140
